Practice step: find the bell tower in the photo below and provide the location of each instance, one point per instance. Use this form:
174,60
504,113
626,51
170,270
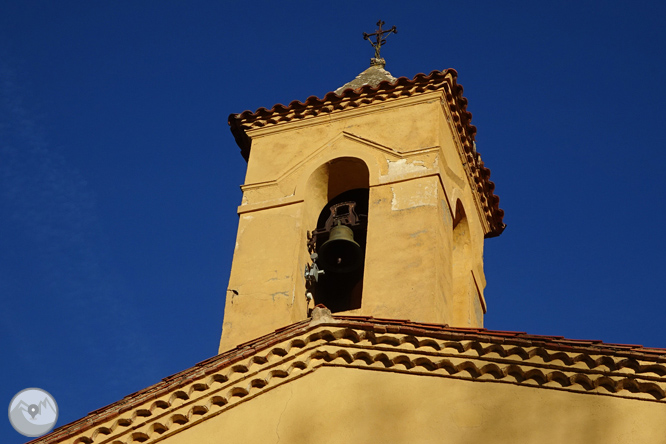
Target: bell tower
372,201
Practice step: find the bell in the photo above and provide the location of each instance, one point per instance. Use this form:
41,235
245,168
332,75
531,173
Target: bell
340,253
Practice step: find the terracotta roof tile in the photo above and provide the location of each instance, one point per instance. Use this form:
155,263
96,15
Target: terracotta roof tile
445,81
473,337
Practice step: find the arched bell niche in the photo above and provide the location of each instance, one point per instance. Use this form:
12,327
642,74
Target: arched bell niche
339,233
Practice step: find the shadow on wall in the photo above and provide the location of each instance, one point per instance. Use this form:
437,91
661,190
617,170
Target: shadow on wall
340,235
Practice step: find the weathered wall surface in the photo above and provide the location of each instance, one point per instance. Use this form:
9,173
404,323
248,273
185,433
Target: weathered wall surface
336,404
418,187
344,378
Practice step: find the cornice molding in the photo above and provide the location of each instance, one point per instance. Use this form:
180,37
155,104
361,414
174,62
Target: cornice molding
225,381
247,124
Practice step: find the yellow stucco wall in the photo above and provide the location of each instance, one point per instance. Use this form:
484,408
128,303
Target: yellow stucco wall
330,380
417,182
336,404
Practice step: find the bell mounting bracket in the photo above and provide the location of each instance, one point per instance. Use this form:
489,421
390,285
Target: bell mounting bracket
343,213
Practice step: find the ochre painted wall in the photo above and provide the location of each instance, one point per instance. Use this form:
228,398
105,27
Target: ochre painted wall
418,187
337,404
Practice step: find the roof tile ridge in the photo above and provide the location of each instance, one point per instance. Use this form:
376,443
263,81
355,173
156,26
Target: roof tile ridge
419,83
537,340
402,80
325,318
178,379
331,96
487,187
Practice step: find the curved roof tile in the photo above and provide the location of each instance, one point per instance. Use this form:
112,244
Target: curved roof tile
386,90
553,362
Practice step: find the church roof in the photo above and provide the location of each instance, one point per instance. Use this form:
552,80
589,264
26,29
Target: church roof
372,76
385,90
224,381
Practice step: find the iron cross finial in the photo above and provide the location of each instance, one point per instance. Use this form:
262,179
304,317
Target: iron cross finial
380,37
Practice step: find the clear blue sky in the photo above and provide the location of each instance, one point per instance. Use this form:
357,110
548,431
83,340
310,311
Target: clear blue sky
119,177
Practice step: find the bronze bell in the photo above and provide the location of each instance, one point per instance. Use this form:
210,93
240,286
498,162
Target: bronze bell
340,253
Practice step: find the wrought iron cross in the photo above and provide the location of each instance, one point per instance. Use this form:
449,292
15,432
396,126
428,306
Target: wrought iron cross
380,37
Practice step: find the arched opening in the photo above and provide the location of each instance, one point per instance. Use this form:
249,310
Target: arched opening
461,262
339,238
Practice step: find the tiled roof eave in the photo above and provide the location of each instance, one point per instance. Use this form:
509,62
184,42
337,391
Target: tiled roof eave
387,90
634,371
